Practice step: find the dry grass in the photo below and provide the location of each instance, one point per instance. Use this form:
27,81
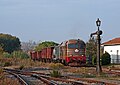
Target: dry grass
56,66
26,63
7,81
80,70
19,62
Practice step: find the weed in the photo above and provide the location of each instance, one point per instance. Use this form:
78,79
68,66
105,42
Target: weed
55,73
1,73
7,64
21,67
56,66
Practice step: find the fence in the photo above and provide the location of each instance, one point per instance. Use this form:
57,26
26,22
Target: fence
115,61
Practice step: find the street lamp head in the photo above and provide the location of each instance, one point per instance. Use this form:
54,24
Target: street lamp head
98,22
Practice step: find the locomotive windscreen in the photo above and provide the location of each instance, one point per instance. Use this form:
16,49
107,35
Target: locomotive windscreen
76,45
76,48
71,46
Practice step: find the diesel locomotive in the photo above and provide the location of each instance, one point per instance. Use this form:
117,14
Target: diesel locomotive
68,52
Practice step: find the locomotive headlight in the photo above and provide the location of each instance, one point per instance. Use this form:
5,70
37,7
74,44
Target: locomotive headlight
76,50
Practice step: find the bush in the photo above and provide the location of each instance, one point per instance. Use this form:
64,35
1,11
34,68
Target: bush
7,55
21,67
56,65
105,59
7,64
20,54
55,73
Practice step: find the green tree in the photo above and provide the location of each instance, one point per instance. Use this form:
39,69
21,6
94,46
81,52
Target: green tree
91,47
9,43
45,44
91,50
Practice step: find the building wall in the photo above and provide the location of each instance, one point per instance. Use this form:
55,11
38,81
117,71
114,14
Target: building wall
114,51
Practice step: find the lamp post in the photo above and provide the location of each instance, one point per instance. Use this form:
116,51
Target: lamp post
99,32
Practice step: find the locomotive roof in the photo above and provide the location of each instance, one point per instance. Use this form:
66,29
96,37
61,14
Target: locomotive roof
75,39
64,42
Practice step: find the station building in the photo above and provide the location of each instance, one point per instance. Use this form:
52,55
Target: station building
113,48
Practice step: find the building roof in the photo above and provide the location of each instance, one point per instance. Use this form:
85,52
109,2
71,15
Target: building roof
115,41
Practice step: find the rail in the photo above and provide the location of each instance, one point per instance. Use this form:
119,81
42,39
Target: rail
19,77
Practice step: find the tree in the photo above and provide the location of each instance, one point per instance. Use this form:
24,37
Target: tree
45,44
9,43
91,50
91,47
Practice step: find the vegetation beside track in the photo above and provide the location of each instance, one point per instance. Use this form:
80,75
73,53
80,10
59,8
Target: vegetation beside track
57,69
6,80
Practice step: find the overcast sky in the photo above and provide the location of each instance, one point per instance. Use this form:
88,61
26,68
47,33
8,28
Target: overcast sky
59,20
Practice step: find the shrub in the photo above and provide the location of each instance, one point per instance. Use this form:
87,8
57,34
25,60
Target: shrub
21,67
20,54
105,59
55,73
7,64
7,55
56,65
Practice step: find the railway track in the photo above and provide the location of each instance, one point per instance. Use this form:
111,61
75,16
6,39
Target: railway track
28,79
48,80
19,77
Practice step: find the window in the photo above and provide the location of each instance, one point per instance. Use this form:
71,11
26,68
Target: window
70,46
82,46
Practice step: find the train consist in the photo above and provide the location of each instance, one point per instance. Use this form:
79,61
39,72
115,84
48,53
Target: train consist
68,52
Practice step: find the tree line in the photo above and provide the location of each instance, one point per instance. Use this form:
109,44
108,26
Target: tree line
9,43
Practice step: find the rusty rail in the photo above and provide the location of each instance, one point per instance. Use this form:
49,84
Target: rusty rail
21,80
91,81
68,79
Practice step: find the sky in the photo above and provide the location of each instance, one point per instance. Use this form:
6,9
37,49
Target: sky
59,20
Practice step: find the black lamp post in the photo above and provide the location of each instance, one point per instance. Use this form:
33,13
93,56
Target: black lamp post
98,33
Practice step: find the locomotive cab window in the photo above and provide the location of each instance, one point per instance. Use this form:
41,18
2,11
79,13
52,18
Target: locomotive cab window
70,46
82,46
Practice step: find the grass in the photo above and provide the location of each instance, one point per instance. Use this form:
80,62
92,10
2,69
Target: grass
55,73
7,81
56,66
57,69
